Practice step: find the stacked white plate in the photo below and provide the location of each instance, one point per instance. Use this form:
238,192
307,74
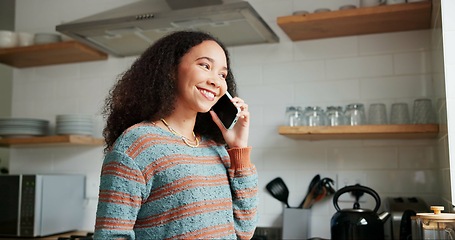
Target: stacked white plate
43,38
23,127
74,124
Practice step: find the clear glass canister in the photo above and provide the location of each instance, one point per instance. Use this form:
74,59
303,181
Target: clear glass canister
436,225
294,116
355,114
314,116
335,116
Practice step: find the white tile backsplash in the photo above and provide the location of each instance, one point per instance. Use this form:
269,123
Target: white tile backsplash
422,158
359,67
413,62
326,48
362,158
393,42
261,53
385,67
247,75
316,93
293,72
396,87
269,94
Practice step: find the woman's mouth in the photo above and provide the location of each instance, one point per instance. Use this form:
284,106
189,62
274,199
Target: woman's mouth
207,94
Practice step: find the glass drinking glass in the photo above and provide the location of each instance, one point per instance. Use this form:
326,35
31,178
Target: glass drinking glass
423,112
399,113
377,113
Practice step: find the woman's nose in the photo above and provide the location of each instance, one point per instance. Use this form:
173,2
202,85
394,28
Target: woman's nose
214,81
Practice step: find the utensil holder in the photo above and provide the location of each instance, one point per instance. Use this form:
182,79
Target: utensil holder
296,223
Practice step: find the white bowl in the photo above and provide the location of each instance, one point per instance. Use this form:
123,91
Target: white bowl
8,39
43,38
25,38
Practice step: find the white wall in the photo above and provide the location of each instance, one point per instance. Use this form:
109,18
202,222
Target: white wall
440,90
392,67
448,33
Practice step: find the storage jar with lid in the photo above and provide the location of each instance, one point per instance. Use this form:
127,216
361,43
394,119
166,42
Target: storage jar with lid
355,114
436,225
294,116
314,116
335,116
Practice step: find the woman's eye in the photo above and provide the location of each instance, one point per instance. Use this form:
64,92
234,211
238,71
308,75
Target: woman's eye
223,75
205,65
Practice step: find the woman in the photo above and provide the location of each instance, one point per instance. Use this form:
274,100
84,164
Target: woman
171,170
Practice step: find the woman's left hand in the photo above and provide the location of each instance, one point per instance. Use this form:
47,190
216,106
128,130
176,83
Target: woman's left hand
237,137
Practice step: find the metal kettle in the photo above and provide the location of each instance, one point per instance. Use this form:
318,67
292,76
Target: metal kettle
357,223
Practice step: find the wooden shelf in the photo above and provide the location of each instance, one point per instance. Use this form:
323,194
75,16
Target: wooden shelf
56,140
49,54
366,20
408,131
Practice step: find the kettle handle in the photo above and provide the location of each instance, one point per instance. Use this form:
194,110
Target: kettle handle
368,190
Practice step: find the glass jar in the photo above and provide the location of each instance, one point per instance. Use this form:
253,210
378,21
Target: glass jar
314,116
434,226
335,116
294,116
355,114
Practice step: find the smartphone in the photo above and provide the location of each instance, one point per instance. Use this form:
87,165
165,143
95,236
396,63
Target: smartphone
226,111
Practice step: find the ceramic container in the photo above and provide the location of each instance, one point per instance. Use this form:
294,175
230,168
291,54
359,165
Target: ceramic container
8,39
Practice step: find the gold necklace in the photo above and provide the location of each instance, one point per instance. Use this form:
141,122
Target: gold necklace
185,140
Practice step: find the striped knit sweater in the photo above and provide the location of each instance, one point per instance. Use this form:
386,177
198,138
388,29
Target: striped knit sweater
153,186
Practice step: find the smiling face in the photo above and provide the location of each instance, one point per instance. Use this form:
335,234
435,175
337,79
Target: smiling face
201,77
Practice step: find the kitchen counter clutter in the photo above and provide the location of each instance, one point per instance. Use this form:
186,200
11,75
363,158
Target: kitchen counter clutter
358,21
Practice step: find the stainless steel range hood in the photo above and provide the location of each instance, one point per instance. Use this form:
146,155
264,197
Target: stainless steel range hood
129,30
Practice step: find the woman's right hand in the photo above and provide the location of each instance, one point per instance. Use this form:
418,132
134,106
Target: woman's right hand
237,137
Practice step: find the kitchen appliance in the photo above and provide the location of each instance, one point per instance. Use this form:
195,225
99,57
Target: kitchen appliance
401,210
434,226
130,29
357,223
40,205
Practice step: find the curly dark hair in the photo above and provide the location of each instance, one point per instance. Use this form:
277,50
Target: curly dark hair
147,90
